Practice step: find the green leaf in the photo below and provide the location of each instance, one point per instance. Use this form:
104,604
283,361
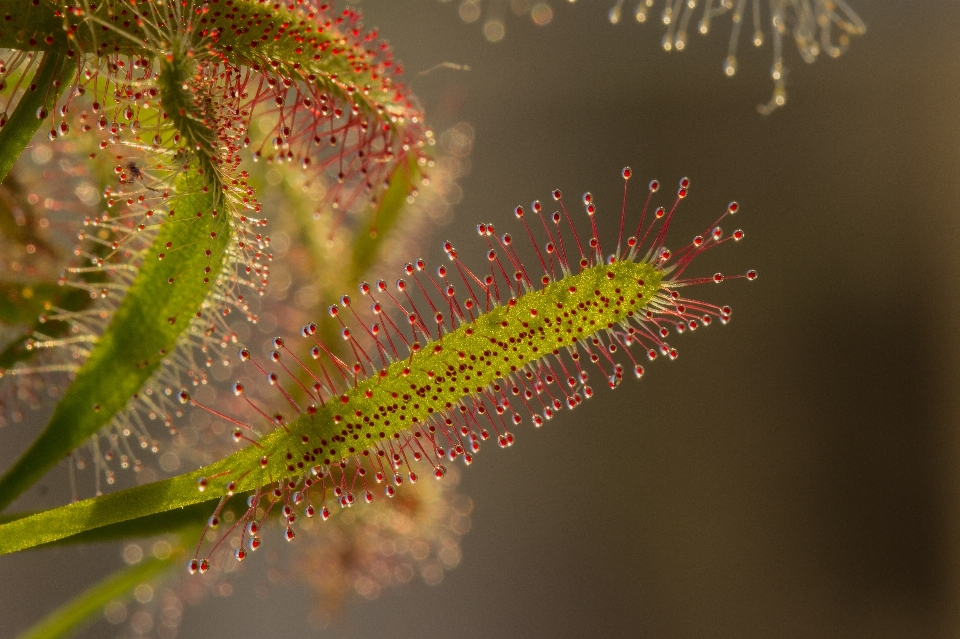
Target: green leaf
382,220
142,332
77,613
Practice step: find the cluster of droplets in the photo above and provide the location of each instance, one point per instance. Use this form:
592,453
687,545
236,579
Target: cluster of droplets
816,26
470,367
494,12
356,555
368,550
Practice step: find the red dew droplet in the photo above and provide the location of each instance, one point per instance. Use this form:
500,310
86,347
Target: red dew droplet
627,172
193,566
751,275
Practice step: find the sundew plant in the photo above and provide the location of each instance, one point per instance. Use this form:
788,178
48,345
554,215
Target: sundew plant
148,150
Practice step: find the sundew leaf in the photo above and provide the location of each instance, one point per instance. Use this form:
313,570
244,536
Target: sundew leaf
483,367
269,458
76,613
157,308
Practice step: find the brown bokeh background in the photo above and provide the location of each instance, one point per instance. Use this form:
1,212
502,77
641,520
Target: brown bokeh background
793,474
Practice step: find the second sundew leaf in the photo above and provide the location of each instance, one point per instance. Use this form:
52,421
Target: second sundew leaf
322,93
159,306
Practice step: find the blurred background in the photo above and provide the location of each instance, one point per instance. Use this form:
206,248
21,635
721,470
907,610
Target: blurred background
793,474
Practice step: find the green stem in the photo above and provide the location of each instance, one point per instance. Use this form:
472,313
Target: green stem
75,614
48,83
